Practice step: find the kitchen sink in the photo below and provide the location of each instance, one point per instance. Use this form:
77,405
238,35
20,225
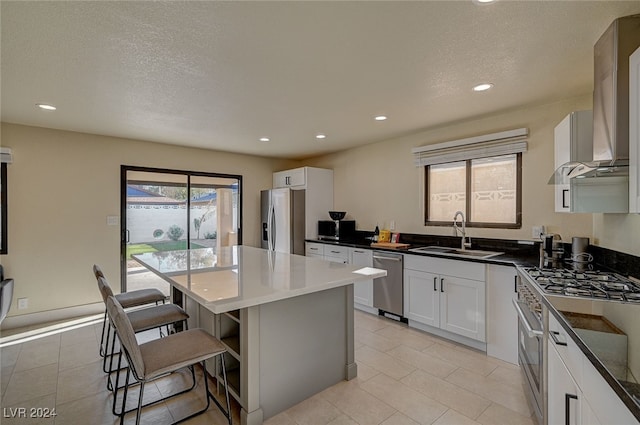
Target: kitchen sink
443,250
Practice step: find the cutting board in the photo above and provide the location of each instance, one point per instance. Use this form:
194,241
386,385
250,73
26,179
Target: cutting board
390,245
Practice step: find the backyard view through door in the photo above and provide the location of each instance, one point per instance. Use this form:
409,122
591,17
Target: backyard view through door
168,211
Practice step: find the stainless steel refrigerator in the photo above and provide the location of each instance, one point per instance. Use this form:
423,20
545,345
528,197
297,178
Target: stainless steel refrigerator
283,220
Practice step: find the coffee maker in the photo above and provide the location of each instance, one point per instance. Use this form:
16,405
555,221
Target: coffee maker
551,251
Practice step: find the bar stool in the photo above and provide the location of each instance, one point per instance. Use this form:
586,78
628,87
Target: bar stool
128,299
6,295
156,358
141,320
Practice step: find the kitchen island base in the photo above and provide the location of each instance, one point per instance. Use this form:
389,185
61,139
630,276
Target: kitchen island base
285,351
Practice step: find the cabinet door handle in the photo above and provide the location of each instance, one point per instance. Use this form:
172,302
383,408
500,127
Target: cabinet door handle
515,284
567,406
435,283
358,251
555,339
441,284
565,192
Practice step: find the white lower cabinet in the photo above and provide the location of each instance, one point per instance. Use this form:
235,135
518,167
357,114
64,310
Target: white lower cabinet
337,254
422,297
564,396
571,374
313,249
362,291
605,404
446,294
502,319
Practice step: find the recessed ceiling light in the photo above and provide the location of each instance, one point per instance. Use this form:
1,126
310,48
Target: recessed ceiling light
46,107
380,118
484,1
264,139
483,87
320,136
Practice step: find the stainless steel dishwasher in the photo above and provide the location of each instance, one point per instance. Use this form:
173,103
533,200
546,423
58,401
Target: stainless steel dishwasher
387,291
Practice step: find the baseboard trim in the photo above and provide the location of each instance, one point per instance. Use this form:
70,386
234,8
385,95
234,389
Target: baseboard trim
42,317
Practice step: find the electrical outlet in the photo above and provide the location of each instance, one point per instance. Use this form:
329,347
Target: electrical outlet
113,220
23,303
392,225
536,231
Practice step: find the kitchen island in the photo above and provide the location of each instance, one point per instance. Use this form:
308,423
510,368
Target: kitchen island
287,320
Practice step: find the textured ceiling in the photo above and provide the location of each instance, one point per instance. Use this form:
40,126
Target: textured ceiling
220,75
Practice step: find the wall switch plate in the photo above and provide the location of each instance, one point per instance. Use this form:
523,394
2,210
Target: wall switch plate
536,231
23,303
113,220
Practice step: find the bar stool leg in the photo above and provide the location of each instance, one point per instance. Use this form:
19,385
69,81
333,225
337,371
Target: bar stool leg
226,387
104,323
139,411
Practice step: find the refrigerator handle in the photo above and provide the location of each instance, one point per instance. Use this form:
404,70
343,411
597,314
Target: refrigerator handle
270,228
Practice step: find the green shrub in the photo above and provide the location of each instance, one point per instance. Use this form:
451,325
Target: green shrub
175,232
211,235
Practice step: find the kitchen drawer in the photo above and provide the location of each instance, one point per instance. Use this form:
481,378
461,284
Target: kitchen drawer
316,249
443,266
336,251
571,354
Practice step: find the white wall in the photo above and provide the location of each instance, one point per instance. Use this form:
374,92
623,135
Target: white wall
378,183
164,216
62,186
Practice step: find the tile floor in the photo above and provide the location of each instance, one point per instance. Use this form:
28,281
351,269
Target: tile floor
404,377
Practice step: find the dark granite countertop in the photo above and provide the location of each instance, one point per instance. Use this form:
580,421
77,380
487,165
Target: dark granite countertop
515,253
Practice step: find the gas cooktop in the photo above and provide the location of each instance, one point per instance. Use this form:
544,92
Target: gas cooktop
586,284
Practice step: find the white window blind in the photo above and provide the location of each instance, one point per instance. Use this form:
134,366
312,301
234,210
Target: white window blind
495,144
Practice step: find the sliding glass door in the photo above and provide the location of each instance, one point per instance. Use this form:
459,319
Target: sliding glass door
168,210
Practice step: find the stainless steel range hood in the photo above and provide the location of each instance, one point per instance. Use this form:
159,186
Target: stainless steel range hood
610,105
611,89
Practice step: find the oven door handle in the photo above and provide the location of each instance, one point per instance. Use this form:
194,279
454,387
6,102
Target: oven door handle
530,331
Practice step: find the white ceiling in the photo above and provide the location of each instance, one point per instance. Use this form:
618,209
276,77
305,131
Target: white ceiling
220,75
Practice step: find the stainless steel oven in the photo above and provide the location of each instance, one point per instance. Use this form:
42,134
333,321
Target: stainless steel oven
531,344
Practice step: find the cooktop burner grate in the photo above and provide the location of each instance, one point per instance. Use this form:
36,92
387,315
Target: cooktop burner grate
589,284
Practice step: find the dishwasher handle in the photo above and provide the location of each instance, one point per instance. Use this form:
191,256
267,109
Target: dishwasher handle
380,257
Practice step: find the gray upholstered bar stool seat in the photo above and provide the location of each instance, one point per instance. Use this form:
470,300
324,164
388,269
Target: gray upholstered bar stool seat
141,320
129,299
159,357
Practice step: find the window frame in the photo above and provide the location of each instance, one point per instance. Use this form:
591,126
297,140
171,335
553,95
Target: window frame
189,174
467,211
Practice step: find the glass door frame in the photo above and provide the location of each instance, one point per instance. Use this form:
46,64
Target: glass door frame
124,169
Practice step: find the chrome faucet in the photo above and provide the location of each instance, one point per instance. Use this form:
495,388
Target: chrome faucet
463,243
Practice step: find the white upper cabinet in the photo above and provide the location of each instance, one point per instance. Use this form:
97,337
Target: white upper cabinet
573,141
290,178
634,132
318,200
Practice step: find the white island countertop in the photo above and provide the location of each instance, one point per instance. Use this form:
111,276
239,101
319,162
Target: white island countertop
242,276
